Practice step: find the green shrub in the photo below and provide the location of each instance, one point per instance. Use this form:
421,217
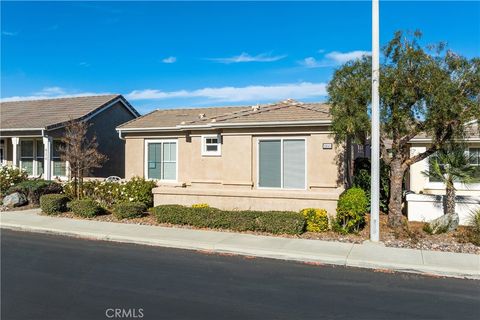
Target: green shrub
128,210
87,208
34,189
53,203
474,232
361,179
317,219
278,222
10,176
108,193
351,210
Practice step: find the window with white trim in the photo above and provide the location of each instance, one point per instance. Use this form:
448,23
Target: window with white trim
59,166
474,156
211,145
39,157
161,160
3,152
282,163
26,156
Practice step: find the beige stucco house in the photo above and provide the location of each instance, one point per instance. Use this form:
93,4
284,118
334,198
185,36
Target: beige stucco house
265,157
425,203
30,132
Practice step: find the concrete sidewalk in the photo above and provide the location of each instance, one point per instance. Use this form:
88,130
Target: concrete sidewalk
365,255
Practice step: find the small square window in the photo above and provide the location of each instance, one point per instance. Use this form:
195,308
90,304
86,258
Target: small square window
211,146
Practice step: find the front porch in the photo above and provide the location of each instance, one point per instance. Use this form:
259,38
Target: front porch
38,155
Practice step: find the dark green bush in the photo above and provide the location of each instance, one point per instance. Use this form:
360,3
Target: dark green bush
128,210
361,179
278,222
351,209
34,189
53,203
87,208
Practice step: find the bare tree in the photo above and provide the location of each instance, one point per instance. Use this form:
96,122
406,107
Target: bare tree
80,152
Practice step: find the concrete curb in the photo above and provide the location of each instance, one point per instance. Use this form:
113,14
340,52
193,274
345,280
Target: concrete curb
367,255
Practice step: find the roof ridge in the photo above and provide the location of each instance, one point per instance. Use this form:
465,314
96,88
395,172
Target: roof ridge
60,98
304,106
201,108
261,109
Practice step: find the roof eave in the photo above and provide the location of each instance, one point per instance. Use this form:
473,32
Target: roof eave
216,125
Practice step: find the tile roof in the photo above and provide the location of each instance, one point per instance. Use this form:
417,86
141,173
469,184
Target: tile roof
285,111
49,112
472,131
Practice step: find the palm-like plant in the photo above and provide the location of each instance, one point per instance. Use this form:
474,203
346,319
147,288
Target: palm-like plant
449,165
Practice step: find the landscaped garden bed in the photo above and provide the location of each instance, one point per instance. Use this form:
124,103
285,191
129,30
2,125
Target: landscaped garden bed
415,238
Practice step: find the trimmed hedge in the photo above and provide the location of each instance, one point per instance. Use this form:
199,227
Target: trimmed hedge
317,219
87,208
34,189
53,203
277,222
128,210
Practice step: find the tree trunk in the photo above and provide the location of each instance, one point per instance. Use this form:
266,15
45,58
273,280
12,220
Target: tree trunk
395,216
450,201
348,162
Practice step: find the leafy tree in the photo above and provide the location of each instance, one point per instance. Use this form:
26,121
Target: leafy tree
349,96
81,153
448,165
427,91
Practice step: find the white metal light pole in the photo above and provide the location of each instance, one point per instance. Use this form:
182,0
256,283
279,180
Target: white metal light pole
375,142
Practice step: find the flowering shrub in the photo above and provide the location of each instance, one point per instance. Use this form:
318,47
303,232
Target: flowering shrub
108,193
317,219
10,176
200,205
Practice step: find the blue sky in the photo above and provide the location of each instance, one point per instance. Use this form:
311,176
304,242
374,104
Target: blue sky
173,54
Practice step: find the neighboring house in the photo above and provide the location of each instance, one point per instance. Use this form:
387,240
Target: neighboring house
426,203
278,156
30,132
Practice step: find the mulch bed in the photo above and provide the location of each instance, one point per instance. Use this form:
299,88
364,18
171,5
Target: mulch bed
412,236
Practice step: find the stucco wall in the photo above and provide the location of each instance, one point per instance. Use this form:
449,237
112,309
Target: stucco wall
235,171
419,183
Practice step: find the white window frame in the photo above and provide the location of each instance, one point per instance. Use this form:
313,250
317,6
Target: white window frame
432,185
52,163
147,142
207,153
33,157
4,147
281,161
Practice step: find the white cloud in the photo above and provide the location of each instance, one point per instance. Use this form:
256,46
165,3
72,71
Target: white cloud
51,93
301,90
245,57
84,64
332,59
11,34
169,60
311,62
342,57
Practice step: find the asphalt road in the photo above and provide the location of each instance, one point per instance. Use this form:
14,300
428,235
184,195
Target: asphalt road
52,277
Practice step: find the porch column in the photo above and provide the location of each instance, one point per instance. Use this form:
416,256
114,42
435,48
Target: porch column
47,157
15,142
